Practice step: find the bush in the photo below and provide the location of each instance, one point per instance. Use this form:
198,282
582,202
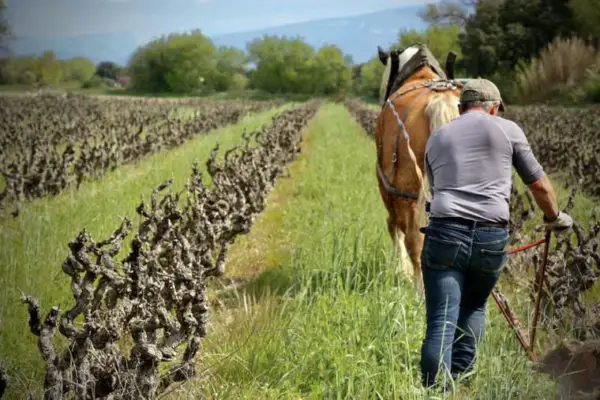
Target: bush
240,82
561,68
591,87
291,65
368,81
174,63
78,69
93,83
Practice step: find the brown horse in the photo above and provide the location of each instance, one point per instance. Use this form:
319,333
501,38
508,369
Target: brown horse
417,99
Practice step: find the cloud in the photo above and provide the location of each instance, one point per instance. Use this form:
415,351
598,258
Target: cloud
376,31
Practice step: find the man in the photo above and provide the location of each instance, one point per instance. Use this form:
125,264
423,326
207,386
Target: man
469,166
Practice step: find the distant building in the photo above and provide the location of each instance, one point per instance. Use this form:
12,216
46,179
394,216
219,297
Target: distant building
124,80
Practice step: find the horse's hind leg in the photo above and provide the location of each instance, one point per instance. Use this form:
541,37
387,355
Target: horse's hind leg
414,243
396,228
396,231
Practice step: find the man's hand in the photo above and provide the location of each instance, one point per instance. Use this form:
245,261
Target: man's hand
560,224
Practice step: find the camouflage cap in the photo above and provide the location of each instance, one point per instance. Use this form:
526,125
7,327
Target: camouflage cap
481,90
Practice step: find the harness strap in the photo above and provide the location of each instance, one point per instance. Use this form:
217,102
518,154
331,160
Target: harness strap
431,85
392,189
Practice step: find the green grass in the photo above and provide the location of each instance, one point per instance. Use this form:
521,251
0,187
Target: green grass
33,246
348,326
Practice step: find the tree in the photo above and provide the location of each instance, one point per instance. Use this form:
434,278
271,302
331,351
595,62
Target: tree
587,16
282,64
230,63
439,39
482,38
174,63
78,69
108,69
370,78
331,71
4,28
500,34
21,71
51,69
448,12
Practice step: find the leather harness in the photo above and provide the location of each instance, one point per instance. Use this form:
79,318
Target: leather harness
439,85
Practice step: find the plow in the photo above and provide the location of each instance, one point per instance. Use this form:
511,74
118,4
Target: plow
526,339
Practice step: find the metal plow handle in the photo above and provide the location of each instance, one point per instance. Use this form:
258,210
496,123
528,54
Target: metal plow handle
515,324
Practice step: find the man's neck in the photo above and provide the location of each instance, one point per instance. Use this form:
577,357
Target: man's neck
475,110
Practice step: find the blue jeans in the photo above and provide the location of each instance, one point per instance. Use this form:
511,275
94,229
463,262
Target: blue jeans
460,264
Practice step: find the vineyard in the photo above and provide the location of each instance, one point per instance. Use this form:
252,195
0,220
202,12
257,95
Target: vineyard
51,142
132,315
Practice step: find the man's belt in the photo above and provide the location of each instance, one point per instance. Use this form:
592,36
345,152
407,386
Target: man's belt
469,222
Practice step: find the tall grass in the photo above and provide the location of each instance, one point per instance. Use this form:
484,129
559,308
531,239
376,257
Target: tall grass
562,67
348,327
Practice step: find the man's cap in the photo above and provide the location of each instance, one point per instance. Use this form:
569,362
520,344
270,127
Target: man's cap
481,90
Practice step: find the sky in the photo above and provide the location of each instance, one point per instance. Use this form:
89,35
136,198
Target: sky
145,19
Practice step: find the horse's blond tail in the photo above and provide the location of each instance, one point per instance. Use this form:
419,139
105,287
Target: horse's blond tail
440,110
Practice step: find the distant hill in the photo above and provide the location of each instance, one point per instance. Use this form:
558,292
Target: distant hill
117,47
357,35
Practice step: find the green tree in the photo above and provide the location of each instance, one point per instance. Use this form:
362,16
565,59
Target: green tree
78,69
587,16
267,55
51,69
440,39
500,34
482,38
108,69
448,12
331,71
3,63
282,64
230,63
174,63
369,81
21,71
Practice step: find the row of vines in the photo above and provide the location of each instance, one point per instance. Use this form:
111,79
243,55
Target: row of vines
564,140
137,319
51,142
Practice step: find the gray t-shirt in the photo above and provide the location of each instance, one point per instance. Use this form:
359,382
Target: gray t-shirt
469,166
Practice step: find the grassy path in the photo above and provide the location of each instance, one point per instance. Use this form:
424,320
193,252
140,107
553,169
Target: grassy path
33,246
326,317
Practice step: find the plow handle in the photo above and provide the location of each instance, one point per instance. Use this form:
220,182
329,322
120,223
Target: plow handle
505,309
540,286
515,325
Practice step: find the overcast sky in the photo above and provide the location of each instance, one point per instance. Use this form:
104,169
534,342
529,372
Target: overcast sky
149,18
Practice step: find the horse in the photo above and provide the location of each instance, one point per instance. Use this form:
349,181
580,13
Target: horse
417,98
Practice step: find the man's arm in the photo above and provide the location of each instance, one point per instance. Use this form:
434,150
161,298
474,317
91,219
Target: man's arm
531,172
544,196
